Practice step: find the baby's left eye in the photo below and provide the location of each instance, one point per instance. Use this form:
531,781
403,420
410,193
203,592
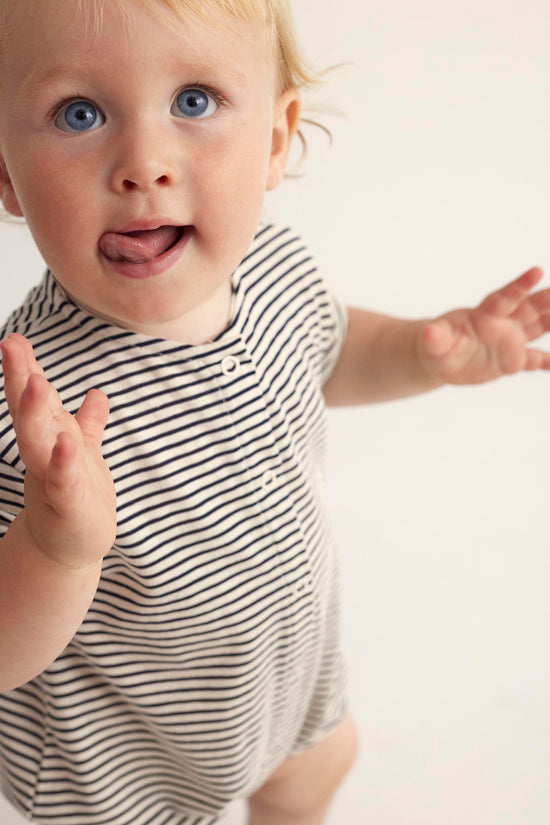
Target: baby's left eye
194,103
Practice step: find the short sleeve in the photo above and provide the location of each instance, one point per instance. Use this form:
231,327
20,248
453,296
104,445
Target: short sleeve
279,283
334,321
331,320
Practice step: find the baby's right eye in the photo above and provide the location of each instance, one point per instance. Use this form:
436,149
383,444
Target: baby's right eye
79,116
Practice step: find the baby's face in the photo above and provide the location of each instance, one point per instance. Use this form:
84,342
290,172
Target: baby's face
125,130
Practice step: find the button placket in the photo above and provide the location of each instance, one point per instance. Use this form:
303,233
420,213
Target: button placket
240,369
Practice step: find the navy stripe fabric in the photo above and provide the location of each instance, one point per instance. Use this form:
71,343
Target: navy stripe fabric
212,648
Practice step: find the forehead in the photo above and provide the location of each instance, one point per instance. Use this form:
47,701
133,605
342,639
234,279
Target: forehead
92,12
78,32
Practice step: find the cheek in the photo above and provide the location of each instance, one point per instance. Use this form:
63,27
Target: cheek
230,209
35,186
56,200
227,205
235,176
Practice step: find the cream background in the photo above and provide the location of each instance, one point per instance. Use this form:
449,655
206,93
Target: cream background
435,193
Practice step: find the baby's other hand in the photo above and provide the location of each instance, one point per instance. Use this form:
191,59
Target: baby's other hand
70,502
470,346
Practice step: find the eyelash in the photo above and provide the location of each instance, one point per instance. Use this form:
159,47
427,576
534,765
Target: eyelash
214,94
58,108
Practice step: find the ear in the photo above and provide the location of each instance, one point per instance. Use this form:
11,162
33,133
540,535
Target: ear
7,192
286,120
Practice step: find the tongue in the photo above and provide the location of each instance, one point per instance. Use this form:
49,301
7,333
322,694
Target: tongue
138,247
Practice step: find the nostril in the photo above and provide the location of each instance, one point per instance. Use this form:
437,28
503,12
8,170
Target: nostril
129,185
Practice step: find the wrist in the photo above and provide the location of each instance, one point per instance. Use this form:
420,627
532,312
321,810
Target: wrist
22,536
428,378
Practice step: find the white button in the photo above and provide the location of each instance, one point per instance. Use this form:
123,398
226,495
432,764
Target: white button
231,365
268,479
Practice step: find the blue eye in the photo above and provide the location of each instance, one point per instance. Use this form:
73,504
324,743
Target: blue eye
194,103
79,116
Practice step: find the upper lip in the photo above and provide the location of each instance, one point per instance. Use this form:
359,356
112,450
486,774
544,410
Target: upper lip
143,224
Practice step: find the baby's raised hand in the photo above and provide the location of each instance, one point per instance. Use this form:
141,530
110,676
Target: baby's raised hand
70,503
470,346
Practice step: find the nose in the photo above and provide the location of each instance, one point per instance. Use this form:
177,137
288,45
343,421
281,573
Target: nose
143,160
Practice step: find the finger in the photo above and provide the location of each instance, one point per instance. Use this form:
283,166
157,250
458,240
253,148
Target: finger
540,300
93,414
534,313
538,327
35,437
62,481
537,360
18,363
505,301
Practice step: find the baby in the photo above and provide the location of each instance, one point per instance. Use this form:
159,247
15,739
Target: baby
169,603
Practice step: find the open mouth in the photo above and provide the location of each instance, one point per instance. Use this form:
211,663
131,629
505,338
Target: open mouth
141,246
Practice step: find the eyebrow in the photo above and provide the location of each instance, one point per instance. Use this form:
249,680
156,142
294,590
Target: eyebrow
222,68
34,81
74,73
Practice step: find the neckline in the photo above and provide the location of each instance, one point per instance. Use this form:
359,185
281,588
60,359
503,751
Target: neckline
106,329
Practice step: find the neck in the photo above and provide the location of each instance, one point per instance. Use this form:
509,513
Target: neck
198,326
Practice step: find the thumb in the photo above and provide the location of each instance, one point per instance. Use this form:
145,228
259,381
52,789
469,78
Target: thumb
437,338
93,414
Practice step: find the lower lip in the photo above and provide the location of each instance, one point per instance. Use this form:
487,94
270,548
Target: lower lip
150,269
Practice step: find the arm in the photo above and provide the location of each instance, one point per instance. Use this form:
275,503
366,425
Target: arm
384,358
378,361
42,604
50,557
